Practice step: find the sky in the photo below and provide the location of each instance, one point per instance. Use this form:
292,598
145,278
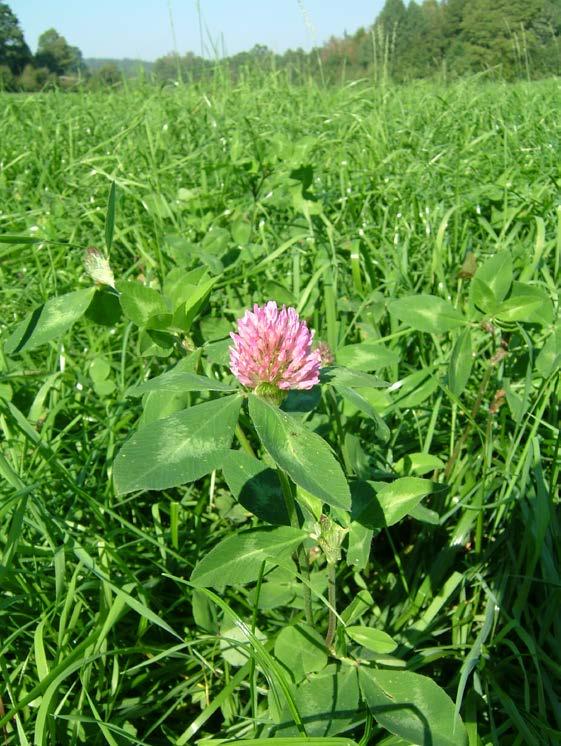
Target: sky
142,29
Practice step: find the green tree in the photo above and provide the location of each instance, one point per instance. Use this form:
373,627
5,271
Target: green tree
389,28
391,15
35,78
107,75
453,16
14,52
414,44
57,55
7,79
503,33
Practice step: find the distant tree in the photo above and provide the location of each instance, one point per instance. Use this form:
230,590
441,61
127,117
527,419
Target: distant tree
362,40
35,78
166,67
392,15
389,26
14,52
547,56
414,52
501,33
7,79
57,55
107,75
453,12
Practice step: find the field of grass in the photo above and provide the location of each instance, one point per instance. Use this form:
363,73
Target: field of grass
338,202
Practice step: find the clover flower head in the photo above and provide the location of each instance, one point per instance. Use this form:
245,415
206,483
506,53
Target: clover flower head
272,351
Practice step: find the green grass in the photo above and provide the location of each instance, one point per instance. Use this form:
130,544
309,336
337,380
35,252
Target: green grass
101,640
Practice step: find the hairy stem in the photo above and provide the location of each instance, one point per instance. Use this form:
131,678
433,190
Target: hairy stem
332,598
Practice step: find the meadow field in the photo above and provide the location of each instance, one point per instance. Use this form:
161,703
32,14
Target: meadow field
417,229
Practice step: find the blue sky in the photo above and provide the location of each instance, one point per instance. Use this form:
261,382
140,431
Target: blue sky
142,29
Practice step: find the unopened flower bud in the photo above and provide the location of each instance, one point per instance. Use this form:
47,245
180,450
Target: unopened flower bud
330,538
327,357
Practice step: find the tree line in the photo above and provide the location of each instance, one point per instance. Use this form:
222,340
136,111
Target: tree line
55,63
450,38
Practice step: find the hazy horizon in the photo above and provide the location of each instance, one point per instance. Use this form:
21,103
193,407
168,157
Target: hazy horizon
221,27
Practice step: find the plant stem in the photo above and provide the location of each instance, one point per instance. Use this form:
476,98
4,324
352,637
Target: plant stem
301,553
332,598
340,432
461,442
252,680
288,499
243,441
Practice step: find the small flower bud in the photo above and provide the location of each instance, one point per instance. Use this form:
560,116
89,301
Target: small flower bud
327,357
330,538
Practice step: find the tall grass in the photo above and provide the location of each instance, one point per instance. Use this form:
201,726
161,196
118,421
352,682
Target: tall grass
409,182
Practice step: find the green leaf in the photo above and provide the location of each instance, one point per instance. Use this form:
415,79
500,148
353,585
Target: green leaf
301,650
110,218
256,486
26,240
359,545
418,463
361,604
237,559
157,405
367,356
425,515
205,612
235,648
217,352
49,321
179,284
427,313
177,449
415,388
294,741
100,371
337,375
549,358
529,303
400,497
278,292
328,703
372,639
187,312
365,508
482,297
364,406
412,707
179,381
140,303
304,455
496,274
105,308
154,342
461,362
